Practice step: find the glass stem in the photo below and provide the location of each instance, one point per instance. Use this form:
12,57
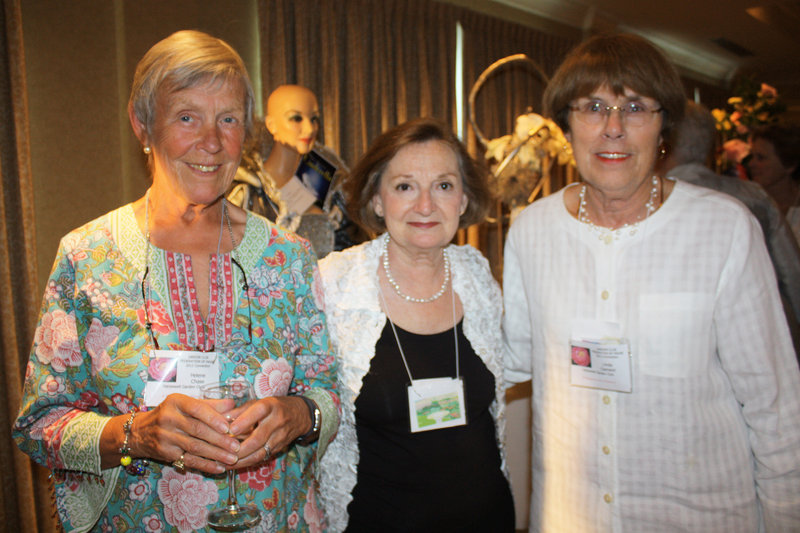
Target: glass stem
231,488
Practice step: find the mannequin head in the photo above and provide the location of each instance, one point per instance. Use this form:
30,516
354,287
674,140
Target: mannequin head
293,117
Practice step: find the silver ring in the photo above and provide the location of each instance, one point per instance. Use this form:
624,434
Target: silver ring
268,450
179,465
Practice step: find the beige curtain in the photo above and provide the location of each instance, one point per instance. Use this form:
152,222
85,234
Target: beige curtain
25,491
376,64
371,64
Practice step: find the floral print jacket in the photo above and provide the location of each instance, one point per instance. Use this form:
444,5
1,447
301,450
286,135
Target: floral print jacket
91,354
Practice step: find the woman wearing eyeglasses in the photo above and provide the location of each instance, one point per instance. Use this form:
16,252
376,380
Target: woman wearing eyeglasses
684,414
155,299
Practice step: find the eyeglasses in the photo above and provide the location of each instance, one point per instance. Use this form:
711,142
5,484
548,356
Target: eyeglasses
149,324
595,112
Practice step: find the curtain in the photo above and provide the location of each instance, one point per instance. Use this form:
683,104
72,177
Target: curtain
25,492
371,64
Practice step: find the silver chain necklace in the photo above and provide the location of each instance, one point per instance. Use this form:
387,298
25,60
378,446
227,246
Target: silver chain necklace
607,234
396,287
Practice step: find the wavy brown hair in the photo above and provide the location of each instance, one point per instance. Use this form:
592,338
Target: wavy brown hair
619,62
361,186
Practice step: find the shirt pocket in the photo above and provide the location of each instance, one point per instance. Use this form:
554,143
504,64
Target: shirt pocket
676,333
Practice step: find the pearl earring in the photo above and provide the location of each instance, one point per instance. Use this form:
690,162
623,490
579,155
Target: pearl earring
146,150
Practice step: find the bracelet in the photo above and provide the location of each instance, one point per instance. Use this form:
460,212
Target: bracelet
136,467
126,459
316,421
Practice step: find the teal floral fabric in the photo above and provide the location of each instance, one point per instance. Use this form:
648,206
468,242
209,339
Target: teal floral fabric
91,355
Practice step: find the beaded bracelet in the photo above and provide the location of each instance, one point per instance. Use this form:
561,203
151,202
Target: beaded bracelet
125,460
135,467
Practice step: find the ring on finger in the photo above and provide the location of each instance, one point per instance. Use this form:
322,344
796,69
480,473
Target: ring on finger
180,465
268,450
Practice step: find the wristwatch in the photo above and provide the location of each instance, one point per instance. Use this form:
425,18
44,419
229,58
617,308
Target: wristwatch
316,422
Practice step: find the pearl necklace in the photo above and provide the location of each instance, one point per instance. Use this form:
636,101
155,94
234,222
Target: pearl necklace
396,287
607,234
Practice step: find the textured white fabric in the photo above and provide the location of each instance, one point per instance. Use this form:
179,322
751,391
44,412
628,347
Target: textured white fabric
355,322
709,439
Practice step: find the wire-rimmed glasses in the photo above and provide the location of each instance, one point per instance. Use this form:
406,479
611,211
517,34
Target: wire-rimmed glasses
596,112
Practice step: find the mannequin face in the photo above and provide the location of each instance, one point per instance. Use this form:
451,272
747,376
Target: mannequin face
293,117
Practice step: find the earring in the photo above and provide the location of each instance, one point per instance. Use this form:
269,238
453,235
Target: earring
146,150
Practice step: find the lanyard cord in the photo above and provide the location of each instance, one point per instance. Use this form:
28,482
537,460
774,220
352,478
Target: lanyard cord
397,338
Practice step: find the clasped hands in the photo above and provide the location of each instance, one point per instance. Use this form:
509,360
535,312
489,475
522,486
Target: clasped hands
207,432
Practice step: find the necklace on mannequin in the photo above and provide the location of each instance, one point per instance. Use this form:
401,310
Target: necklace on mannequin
608,234
396,287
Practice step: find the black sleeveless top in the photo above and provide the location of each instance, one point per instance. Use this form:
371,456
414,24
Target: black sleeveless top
440,480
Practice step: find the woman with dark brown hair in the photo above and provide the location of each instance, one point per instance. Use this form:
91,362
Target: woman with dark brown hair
415,322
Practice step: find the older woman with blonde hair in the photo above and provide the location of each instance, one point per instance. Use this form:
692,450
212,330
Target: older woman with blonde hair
175,290
415,321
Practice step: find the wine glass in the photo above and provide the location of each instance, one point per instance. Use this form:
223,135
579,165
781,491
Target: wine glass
232,516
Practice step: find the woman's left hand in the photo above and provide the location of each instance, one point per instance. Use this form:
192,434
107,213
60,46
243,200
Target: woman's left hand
276,421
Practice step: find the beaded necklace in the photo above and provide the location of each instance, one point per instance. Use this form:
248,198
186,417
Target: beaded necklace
396,287
607,234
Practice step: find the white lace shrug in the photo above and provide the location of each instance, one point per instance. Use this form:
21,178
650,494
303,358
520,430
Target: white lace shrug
355,322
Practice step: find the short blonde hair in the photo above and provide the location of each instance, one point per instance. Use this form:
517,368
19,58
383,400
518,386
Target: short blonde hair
186,59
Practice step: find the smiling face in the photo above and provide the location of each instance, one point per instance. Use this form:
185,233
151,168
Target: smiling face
293,117
197,138
613,157
421,196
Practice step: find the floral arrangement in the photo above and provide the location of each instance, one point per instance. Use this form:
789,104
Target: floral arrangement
752,106
520,160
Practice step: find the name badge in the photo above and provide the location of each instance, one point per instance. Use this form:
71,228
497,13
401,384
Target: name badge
601,365
179,371
599,357
436,403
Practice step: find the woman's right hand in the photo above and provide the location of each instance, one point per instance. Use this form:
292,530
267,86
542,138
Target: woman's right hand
180,425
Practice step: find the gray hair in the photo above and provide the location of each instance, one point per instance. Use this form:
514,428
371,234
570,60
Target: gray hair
693,137
182,60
